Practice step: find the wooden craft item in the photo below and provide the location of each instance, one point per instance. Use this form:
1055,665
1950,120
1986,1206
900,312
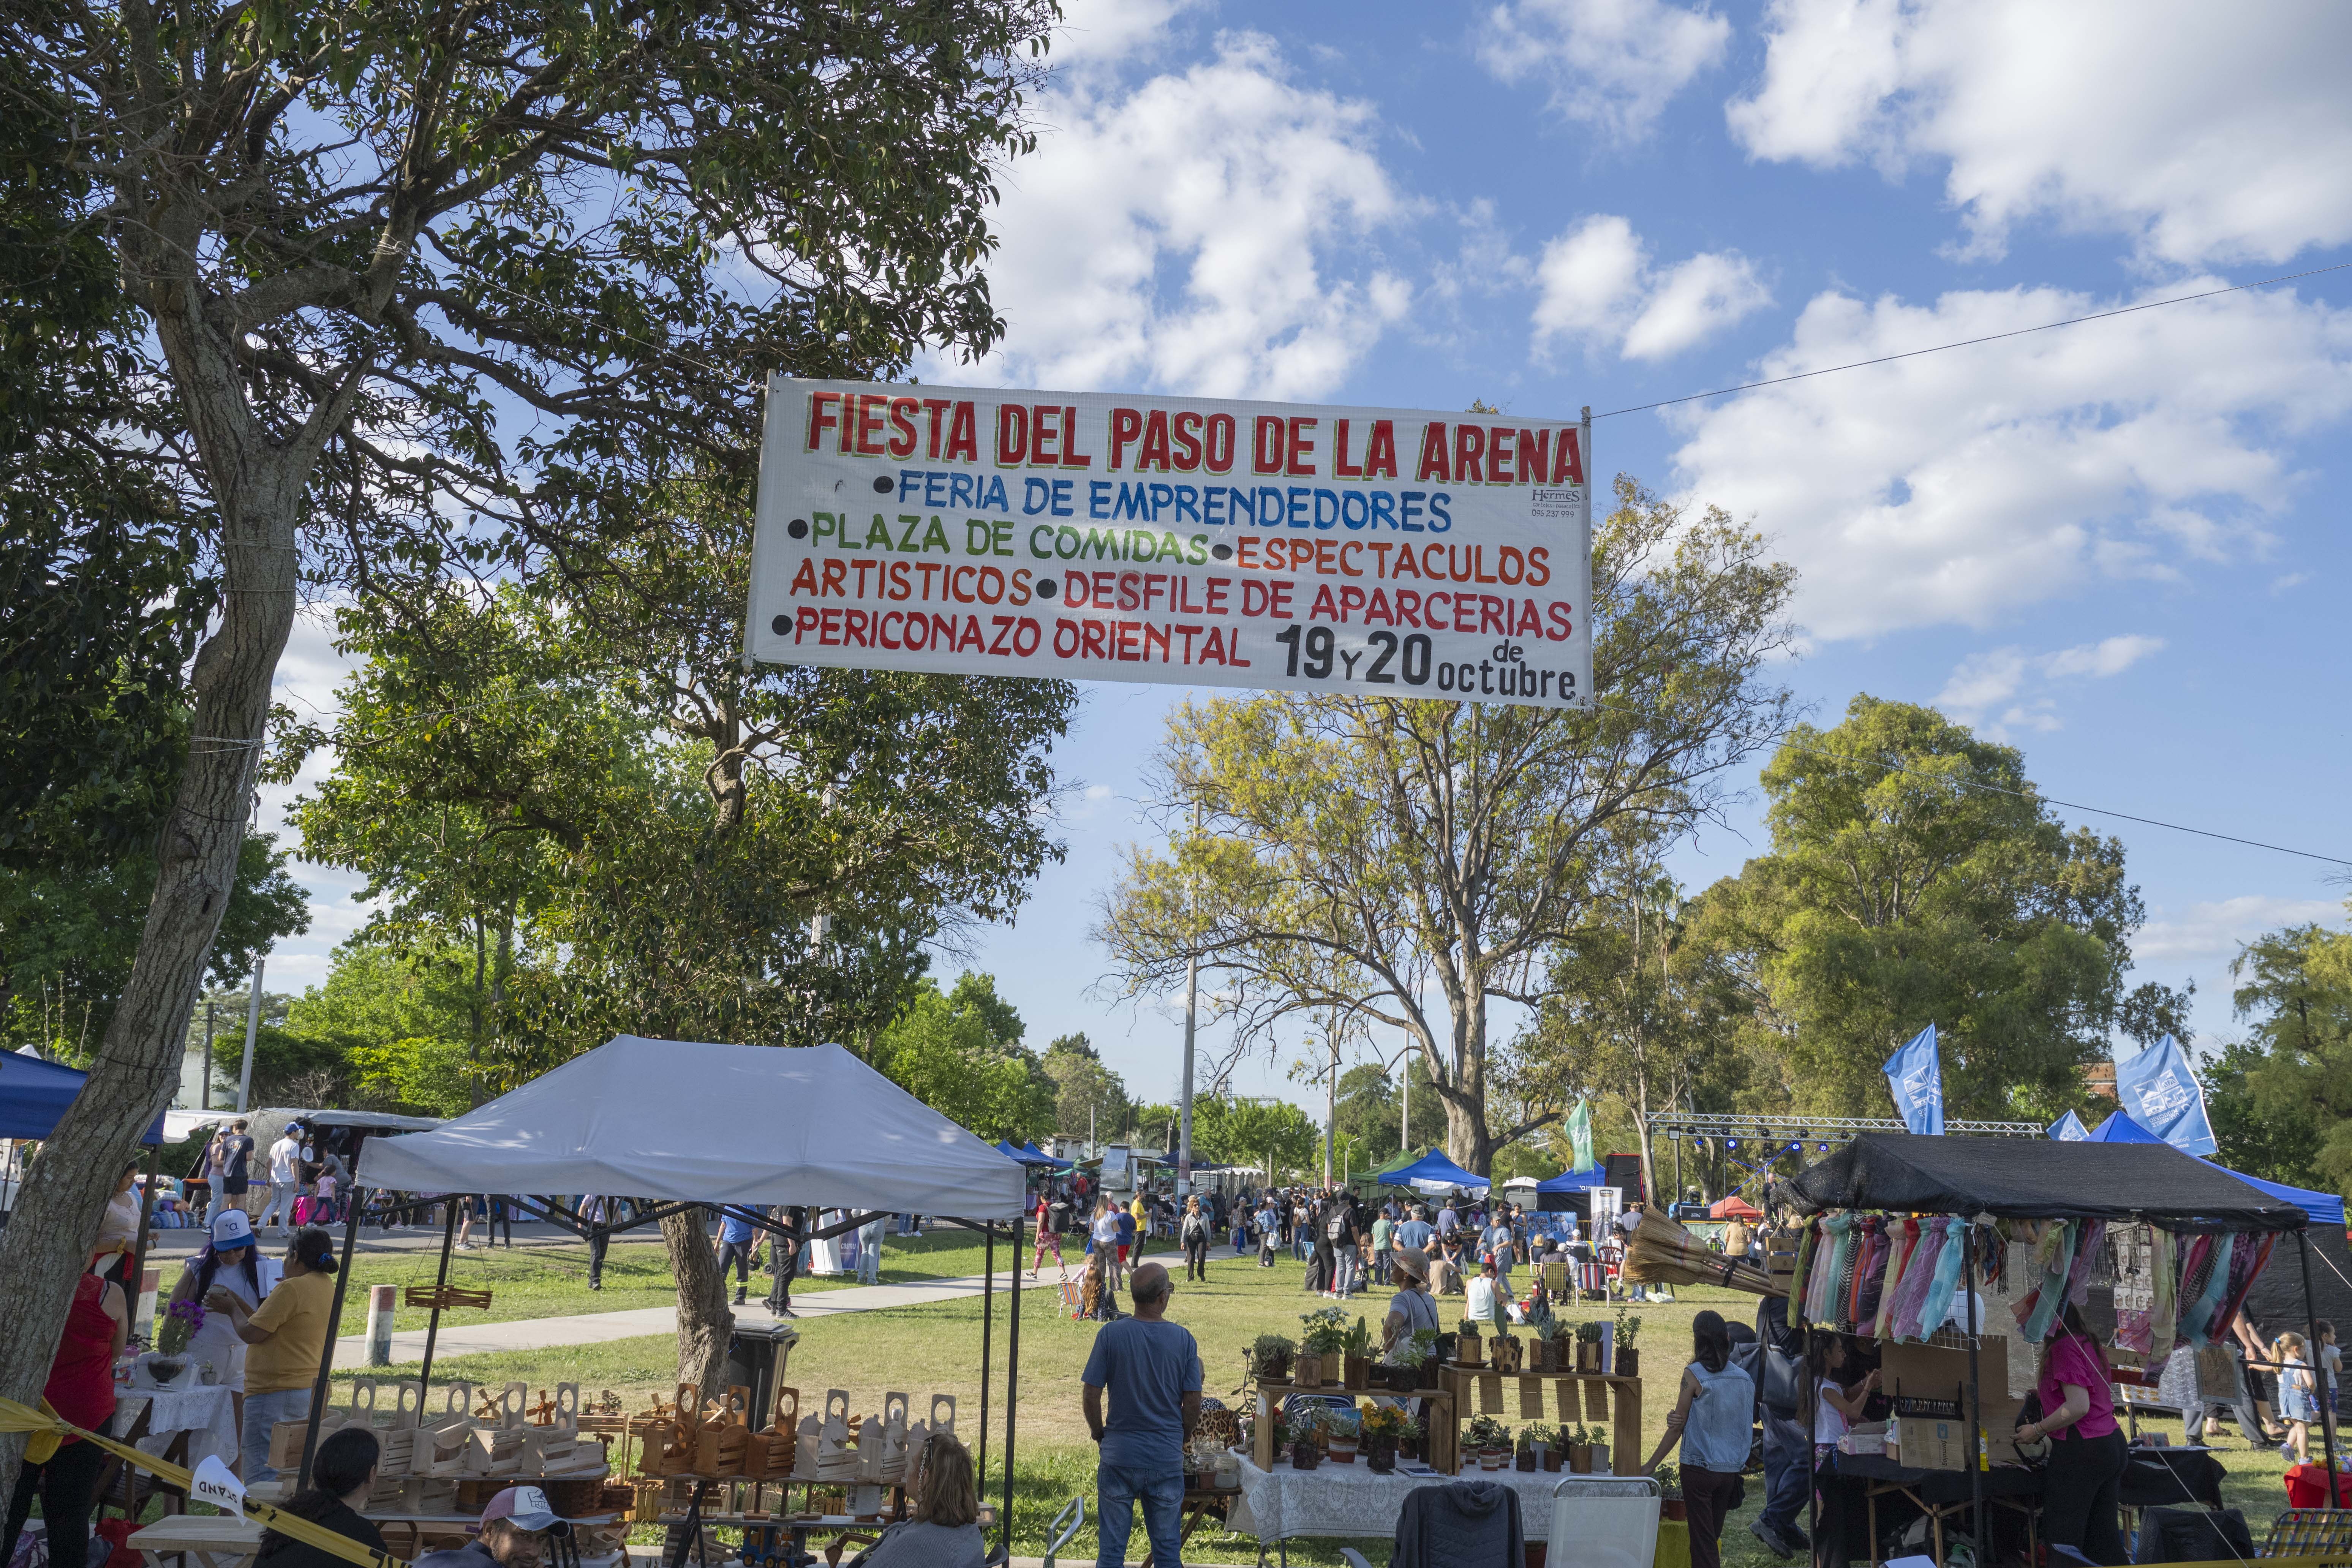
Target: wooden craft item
408,1405
805,1442
445,1297
1530,1399
362,1405
943,1423
1490,1393
513,1402
1596,1401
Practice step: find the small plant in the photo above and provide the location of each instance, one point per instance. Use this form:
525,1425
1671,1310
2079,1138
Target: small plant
1629,1329
1470,1329
181,1319
1339,1423
1271,1354
1306,1421
1359,1340
1485,1432
1385,1421
1536,1432
1326,1332
1562,1330
1587,1333
1540,1319
1417,1350
1669,1477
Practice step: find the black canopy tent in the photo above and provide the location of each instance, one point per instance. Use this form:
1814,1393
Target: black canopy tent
2016,1179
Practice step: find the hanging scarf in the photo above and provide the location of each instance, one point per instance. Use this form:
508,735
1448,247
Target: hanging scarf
2087,1262
1849,1256
2202,1324
1800,1276
1919,1276
1904,1239
2195,1271
1870,1275
2053,1263
1837,1245
2245,1265
1939,1299
2162,1320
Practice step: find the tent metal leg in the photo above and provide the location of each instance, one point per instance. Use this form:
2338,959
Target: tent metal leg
987,1328
334,1320
1976,1397
1011,1388
2319,1372
440,1283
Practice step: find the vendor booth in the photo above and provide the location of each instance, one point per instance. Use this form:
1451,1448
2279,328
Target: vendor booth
1432,1174
2172,1244
741,1131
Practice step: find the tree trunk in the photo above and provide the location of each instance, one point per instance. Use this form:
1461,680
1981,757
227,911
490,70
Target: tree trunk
47,1240
705,1324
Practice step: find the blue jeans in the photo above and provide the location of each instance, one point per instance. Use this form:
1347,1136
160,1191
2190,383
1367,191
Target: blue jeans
1788,1470
262,1413
1118,1488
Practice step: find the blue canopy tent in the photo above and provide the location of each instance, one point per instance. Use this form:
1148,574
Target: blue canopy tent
2325,1207
1039,1157
1023,1156
34,1095
1433,1173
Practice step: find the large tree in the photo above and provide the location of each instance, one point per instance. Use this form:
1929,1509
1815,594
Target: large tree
1411,863
428,287
2279,1099
1916,878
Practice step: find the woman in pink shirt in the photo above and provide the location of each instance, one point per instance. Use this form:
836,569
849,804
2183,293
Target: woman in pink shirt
2079,1505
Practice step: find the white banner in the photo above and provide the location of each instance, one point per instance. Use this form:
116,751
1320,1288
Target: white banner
1103,536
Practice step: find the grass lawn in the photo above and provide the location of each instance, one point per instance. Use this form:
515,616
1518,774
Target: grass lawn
936,1348
552,1281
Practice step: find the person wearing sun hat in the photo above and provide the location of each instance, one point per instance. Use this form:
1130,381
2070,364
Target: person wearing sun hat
512,1534
230,1263
1411,1308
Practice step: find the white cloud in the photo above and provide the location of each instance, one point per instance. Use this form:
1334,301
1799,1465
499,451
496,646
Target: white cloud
1958,487
1611,64
1596,285
1206,231
1990,680
2210,934
2207,133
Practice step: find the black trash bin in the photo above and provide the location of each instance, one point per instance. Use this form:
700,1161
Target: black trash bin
756,1355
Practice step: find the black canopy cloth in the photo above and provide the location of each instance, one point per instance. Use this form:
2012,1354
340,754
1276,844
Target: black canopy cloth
2010,1179
2015,1179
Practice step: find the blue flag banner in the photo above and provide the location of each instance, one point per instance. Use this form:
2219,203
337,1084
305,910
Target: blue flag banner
2161,1092
1916,1078
2069,1128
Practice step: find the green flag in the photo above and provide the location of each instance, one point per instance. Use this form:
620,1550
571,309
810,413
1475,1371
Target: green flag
1580,1136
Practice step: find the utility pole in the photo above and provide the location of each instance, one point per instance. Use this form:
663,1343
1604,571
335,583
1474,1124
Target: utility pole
1192,1009
252,1028
205,1090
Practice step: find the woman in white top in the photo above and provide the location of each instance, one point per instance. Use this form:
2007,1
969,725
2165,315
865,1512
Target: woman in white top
231,1263
1837,1409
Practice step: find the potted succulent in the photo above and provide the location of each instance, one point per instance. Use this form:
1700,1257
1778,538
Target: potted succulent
1580,1450
1670,1493
1306,1453
1356,1357
1629,1329
1408,1362
1490,1440
1466,1345
1526,1458
1588,1347
1506,1351
1545,1440
1600,1450
1322,1343
1342,1432
1383,1426
1270,1355
1542,1355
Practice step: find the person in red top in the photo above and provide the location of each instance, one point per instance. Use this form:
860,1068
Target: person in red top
82,1389
2086,1448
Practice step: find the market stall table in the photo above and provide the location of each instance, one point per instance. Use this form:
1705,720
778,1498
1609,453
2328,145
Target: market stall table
214,1540
1335,1502
1943,1494
205,1416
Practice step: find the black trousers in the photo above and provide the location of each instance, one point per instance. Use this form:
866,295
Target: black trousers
596,1245
2079,1505
68,1488
1196,1258
740,1254
1706,1498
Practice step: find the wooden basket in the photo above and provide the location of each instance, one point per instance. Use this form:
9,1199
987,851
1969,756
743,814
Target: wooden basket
573,1498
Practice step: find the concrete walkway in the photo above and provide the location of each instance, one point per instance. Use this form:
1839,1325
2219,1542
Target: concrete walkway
459,1338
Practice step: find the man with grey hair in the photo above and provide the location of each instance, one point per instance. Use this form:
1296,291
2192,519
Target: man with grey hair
1152,1369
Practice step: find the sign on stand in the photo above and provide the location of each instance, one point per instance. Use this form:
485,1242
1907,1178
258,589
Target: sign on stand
1608,1203
1181,541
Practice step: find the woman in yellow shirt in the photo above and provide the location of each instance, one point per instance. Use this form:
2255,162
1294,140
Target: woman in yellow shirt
284,1338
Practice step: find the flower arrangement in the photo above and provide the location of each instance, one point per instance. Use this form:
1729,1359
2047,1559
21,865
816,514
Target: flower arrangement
180,1321
1385,1421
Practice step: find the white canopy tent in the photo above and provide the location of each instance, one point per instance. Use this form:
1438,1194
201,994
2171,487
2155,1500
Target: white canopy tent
698,1123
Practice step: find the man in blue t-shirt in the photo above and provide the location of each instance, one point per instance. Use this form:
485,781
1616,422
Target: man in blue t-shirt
1152,1368
735,1245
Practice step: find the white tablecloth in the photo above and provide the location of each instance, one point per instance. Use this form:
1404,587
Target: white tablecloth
1348,1501
206,1411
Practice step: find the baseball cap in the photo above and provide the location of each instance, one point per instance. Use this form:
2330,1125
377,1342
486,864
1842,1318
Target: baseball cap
231,1229
526,1507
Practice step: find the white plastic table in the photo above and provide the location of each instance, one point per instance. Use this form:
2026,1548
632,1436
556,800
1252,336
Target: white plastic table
214,1540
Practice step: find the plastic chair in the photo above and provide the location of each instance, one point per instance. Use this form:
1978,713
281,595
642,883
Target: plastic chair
1605,1522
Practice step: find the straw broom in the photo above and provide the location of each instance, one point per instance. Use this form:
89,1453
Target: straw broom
1660,1252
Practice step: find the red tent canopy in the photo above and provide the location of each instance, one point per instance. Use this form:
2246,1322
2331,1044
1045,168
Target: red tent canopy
1734,1207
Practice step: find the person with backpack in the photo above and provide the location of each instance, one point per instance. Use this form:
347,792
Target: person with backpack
1193,1233
1788,1450
1340,1234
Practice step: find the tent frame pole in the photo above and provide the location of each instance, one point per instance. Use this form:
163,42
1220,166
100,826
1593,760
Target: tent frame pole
2318,1370
334,1322
1975,1395
987,1328
1011,1388
440,1284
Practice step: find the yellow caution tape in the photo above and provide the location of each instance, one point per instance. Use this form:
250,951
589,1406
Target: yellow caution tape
15,1418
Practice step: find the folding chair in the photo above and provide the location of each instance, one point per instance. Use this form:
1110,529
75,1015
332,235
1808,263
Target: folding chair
1073,1299
1605,1522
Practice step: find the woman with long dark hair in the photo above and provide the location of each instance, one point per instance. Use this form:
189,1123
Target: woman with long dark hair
340,1472
229,1262
1713,1413
2087,1455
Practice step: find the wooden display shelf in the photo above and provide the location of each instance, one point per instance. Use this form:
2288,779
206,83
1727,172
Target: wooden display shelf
1604,1395
1444,1425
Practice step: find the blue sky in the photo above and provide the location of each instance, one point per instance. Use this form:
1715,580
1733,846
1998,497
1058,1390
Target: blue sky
2117,546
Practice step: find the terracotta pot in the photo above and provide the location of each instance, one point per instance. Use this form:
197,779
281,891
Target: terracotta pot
1307,1370
1551,1458
1674,1508
1342,1450
1580,1459
1305,1456
1629,1363
1357,1372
